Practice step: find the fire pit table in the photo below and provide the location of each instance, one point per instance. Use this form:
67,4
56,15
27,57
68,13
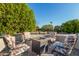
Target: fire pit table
38,45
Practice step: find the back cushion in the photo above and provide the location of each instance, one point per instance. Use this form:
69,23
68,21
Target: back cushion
27,35
2,44
10,41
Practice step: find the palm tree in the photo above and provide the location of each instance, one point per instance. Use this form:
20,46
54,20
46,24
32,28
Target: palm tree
51,22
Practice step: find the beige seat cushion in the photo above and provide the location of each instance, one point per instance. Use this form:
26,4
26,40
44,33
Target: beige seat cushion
20,48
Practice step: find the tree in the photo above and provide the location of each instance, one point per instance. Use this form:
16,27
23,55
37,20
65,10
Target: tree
37,28
71,26
57,28
16,18
47,27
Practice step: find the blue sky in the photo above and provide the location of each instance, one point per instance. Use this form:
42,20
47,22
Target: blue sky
58,13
